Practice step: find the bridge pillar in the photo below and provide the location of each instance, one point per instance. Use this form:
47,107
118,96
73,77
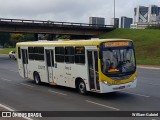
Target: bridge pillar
36,36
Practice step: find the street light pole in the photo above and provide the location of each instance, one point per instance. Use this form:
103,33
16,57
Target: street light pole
114,12
114,9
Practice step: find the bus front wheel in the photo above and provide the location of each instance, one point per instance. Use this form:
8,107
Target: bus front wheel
37,79
81,87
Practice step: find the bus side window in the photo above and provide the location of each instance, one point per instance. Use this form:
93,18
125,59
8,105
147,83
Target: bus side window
39,53
69,54
19,52
31,53
59,54
80,55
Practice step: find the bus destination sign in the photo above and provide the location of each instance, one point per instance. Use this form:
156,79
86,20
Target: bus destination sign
117,44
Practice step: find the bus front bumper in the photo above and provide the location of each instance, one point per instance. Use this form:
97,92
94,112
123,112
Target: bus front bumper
106,88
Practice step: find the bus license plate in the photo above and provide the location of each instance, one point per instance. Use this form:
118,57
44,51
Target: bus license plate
116,82
122,87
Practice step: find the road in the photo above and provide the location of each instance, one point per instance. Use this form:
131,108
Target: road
25,95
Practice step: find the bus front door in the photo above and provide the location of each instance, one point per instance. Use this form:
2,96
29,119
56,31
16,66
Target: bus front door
25,62
50,64
93,70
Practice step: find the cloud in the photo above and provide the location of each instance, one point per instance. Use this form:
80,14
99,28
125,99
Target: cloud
68,10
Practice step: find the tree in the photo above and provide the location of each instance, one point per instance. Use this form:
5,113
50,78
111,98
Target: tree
16,38
29,37
64,37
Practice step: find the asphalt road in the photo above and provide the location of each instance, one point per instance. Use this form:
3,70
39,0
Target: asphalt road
25,95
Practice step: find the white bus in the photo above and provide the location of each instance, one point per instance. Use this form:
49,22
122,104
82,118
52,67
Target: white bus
100,66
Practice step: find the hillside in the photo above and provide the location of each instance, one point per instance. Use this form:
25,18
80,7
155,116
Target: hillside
147,43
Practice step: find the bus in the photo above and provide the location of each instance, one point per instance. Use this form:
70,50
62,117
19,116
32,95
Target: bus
101,66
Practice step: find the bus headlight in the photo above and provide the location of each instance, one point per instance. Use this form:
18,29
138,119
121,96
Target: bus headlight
105,82
135,78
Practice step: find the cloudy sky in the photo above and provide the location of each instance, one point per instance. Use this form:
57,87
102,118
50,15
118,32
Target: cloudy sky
69,10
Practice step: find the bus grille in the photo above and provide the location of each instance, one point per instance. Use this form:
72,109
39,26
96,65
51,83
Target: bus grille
121,78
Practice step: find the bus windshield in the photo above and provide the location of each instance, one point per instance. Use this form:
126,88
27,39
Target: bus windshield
118,61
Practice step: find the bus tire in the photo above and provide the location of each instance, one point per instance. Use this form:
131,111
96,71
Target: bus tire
37,78
81,87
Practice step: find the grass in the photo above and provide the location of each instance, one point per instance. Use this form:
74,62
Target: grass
147,43
7,50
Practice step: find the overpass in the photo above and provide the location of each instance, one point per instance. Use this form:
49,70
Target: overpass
52,27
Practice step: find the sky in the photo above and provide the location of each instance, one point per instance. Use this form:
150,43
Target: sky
70,10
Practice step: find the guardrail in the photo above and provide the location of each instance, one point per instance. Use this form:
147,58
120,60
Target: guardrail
53,23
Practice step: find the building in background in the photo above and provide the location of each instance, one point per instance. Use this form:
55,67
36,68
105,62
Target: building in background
115,22
145,16
141,14
126,22
97,21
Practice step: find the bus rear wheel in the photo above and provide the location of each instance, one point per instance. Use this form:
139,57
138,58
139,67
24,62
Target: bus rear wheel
81,87
37,79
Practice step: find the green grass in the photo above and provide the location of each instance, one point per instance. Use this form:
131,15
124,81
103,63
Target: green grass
7,50
147,43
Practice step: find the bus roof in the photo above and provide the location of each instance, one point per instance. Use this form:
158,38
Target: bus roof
69,42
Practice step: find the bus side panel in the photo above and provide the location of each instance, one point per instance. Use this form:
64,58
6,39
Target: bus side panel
66,74
60,74
78,71
37,66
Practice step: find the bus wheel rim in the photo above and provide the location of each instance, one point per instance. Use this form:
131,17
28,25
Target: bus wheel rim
82,87
36,79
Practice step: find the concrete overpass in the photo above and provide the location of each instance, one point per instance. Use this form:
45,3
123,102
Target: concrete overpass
52,27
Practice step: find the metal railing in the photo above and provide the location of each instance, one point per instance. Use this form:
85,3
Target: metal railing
53,23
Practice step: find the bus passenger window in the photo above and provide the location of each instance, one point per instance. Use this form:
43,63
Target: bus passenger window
59,54
31,53
80,55
69,54
36,53
39,53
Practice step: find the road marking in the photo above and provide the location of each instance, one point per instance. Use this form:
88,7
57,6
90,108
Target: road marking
13,71
136,94
57,92
9,109
26,85
153,84
6,79
102,105
5,107
150,84
154,68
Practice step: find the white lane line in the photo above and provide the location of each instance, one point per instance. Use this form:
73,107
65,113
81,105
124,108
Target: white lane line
26,85
57,92
153,84
9,109
102,105
13,71
6,79
5,107
141,95
154,68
